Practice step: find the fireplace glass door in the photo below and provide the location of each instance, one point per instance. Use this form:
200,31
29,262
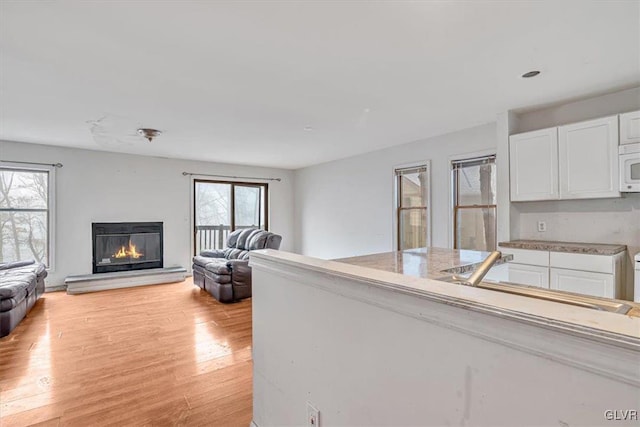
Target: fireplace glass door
125,246
114,249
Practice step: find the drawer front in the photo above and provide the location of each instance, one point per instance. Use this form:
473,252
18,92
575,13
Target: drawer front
525,256
584,262
530,275
583,282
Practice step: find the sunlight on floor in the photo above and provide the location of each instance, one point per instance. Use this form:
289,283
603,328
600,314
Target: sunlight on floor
207,345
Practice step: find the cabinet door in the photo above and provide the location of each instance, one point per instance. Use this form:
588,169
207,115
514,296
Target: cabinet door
533,164
588,159
530,275
583,282
630,127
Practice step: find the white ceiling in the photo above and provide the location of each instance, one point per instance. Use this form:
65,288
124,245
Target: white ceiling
238,82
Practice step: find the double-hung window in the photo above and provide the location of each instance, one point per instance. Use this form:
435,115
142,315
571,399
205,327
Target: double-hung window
474,203
411,207
26,215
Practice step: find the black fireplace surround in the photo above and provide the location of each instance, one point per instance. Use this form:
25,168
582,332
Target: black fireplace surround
126,246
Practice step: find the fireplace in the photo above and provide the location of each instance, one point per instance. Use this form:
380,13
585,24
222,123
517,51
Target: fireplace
126,246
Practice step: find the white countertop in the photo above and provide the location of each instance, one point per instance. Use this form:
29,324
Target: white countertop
610,327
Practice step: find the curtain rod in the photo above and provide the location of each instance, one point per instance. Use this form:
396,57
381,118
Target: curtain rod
55,165
231,176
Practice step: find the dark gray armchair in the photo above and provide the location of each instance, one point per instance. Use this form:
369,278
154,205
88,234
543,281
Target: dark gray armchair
225,273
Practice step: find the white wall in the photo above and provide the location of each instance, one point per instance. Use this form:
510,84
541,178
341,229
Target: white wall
594,221
98,186
345,207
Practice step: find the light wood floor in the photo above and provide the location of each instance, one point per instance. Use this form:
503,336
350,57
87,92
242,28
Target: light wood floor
153,355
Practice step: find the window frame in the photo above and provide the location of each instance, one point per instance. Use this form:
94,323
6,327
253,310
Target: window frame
195,180
51,204
455,207
397,194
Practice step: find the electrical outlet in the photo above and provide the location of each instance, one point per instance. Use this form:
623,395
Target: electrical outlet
313,416
542,226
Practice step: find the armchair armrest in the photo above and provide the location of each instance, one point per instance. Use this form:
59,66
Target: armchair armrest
238,264
240,270
212,253
240,277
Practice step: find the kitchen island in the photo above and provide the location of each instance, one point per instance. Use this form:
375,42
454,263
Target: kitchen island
374,346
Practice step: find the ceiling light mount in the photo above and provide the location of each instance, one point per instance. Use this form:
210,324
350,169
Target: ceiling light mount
530,74
149,133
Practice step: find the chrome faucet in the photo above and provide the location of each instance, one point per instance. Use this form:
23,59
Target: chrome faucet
482,270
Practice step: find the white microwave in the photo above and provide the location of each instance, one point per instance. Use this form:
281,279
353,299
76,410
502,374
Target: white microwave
629,155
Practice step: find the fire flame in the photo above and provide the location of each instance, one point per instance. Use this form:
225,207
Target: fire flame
130,252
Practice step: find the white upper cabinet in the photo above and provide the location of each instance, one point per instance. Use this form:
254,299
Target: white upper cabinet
588,159
630,127
533,162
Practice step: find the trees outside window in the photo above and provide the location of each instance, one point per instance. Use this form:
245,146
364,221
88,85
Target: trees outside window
474,203
222,207
411,207
24,215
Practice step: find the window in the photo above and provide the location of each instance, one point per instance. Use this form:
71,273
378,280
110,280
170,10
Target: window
222,207
411,207
25,215
474,203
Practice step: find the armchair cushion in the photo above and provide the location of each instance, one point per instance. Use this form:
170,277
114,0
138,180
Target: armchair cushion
17,284
212,253
202,261
218,267
218,278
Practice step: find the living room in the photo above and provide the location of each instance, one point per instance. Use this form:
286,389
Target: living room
324,105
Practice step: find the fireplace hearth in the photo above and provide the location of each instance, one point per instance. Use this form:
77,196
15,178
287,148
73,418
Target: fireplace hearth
126,246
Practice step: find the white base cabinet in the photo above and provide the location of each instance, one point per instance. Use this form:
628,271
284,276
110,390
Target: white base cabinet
583,282
588,274
530,275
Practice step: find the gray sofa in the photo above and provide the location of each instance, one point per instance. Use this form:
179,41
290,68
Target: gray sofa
21,284
225,273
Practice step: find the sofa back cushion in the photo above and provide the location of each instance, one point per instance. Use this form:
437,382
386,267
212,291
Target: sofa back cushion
240,242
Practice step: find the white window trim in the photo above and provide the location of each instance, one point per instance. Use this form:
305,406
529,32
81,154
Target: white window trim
394,202
457,158
51,204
